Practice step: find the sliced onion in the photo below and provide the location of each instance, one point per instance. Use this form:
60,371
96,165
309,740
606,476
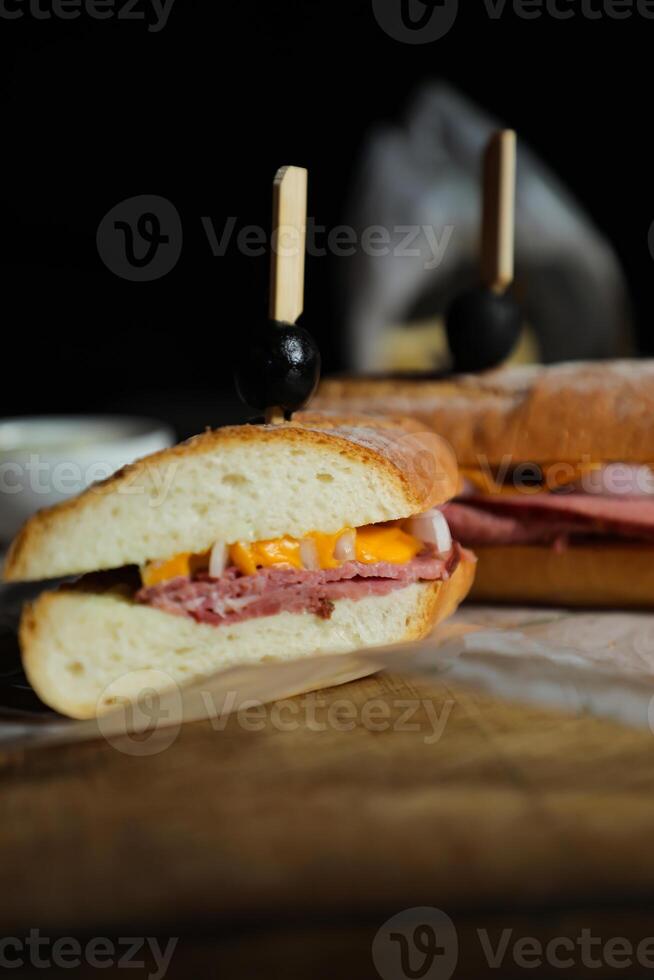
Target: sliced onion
218,559
345,549
222,607
309,555
236,605
432,528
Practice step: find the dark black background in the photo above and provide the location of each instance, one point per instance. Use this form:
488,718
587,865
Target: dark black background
203,113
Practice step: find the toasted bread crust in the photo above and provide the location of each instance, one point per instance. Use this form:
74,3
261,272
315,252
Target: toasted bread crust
563,413
389,447
597,575
55,632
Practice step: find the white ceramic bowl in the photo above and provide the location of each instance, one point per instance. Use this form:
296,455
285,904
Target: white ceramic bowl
44,460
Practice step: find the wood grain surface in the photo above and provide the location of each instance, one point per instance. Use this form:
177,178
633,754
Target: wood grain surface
455,801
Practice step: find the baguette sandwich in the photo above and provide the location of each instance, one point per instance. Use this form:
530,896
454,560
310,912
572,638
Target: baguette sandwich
557,493
245,544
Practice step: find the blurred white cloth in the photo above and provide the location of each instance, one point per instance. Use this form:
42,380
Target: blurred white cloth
426,174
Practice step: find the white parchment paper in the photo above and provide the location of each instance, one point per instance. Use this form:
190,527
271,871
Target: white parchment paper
600,664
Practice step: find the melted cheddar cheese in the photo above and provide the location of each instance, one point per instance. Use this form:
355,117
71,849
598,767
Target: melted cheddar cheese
181,565
386,542
264,554
326,545
374,543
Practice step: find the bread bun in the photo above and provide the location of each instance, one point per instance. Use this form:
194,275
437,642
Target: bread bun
76,644
601,411
248,483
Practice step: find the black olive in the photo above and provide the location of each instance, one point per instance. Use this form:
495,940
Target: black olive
483,327
277,365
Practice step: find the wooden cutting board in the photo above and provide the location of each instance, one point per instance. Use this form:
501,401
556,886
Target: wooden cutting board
403,796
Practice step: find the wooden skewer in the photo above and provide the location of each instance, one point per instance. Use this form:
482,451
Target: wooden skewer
274,416
288,244
498,223
289,233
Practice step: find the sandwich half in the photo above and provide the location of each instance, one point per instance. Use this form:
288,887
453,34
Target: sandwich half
243,545
557,491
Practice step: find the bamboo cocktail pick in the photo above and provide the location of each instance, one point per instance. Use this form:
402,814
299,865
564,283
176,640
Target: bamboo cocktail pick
289,236
483,325
498,221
